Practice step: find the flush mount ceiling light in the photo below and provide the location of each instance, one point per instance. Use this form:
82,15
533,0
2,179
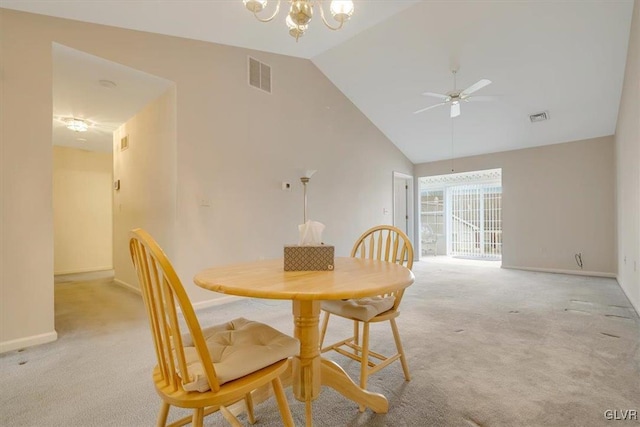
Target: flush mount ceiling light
76,125
107,83
301,12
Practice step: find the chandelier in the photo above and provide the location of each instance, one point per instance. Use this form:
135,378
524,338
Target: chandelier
301,12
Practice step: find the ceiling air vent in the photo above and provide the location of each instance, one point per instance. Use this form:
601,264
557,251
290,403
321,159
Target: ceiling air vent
259,75
539,117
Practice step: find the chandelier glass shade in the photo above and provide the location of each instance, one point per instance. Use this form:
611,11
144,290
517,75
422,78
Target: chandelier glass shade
301,13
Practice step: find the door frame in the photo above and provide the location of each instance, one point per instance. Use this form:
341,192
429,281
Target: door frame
408,179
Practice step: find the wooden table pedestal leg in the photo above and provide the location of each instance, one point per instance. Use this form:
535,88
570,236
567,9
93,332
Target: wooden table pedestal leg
335,377
306,366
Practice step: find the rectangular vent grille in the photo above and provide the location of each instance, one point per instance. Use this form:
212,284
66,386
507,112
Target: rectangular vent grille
124,143
539,117
259,75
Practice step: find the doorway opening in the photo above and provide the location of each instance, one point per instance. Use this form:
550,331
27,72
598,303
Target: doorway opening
461,215
104,96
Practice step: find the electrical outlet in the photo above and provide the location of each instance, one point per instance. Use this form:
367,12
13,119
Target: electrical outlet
205,203
385,211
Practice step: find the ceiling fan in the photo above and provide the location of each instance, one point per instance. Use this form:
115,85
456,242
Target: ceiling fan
455,97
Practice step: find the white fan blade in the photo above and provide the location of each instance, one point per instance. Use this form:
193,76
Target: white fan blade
474,87
455,110
430,107
436,95
481,98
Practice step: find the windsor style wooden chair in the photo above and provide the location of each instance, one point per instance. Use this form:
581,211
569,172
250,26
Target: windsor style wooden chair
386,243
205,369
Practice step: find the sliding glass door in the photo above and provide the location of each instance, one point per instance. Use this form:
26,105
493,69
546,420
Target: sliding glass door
474,220
461,214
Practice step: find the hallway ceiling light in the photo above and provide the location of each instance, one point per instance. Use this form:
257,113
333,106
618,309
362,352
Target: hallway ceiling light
301,12
76,125
109,84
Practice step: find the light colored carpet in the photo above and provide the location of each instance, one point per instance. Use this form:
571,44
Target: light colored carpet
486,347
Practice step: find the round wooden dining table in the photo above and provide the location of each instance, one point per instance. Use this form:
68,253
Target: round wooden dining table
351,278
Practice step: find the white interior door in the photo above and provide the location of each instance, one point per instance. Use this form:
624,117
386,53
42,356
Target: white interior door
400,212
403,205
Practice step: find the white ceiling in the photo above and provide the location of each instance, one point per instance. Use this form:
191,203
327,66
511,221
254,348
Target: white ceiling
566,57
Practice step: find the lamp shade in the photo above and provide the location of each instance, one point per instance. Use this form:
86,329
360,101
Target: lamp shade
255,6
341,9
301,12
307,173
295,30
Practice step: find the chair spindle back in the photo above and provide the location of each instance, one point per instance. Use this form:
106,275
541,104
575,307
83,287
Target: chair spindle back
386,243
161,290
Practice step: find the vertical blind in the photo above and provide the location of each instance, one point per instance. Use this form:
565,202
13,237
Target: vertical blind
475,220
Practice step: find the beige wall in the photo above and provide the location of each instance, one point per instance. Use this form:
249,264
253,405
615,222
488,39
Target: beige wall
26,266
82,217
557,200
628,170
235,145
147,174
252,142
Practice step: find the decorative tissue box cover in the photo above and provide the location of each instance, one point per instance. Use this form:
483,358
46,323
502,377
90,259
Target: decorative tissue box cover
308,258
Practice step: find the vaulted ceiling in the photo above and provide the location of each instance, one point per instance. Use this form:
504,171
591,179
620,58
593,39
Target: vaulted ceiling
564,57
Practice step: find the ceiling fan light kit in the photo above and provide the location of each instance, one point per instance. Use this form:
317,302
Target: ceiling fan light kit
455,97
301,13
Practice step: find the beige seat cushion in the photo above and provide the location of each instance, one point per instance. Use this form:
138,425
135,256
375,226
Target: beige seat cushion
237,348
363,309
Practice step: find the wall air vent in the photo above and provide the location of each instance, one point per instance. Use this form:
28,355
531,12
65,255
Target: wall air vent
259,75
539,117
124,143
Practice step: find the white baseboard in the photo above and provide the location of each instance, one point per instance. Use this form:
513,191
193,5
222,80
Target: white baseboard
19,343
127,286
82,270
635,307
559,271
196,306
214,302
